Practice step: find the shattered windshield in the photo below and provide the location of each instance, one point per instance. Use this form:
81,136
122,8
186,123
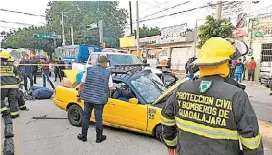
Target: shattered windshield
150,89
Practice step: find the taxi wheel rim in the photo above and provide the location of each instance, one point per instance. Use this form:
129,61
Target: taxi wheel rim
76,115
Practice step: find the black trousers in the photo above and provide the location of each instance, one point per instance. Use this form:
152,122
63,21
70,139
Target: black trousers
34,73
98,112
57,74
11,93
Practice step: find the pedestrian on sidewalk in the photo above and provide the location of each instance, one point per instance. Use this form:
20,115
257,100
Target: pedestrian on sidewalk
26,70
94,91
245,62
230,124
45,72
239,69
251,69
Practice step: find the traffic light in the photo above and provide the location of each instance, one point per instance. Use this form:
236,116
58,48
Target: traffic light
103,45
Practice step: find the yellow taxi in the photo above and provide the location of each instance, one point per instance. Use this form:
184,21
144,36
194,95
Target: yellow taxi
134,104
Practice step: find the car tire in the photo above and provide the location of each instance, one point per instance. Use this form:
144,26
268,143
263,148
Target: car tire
158,132
75,115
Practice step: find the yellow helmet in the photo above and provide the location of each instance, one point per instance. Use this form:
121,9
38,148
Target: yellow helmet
11,59
4,55
215,51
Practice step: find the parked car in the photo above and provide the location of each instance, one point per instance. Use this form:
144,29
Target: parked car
141,109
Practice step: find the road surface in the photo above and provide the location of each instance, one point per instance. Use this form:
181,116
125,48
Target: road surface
58,137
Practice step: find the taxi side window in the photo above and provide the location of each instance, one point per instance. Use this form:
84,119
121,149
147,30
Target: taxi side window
122,91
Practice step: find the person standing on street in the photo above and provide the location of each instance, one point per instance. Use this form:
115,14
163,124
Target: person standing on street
245,67
239,69
45,73
251,69
57,71
208,115
94,91
9,86
19,96
26,70
61,68
34,60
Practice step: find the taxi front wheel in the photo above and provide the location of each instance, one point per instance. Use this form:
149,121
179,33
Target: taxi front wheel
75,115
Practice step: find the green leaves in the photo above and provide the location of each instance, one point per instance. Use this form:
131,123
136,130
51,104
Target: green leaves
149,32
78,14
214,28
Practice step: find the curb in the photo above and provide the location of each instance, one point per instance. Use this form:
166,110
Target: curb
8,142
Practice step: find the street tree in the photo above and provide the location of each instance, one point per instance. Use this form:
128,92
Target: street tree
214,28
78,14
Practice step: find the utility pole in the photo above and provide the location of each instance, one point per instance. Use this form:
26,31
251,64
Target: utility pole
100,25
55,43
130,18
196,29
72,35
137,24
62,26
218,9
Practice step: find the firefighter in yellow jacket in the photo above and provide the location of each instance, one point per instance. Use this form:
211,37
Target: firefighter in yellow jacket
208,115
9,86
19,96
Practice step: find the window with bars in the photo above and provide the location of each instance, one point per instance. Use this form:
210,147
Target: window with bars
266,54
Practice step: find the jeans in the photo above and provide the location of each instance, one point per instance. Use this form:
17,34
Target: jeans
238,77
46,76
28,75
98,111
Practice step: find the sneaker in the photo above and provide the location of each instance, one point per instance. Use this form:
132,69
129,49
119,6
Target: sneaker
82,137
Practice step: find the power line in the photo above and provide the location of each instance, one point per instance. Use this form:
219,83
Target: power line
8,27
172,14
165,9
30,14
19,23
155,6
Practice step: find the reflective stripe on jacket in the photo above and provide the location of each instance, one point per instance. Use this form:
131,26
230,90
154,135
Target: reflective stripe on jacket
211,122
9,75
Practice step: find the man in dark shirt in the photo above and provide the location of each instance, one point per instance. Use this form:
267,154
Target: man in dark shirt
45,73
61,68
26,70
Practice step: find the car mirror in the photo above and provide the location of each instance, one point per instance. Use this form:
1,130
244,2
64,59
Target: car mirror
133,101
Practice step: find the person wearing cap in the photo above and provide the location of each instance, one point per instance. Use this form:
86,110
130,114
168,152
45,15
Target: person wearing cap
209,115
94,91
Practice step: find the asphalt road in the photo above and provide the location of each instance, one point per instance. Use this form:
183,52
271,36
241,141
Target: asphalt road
58,137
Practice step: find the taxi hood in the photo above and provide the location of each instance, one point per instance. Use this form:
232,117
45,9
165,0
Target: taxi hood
170,89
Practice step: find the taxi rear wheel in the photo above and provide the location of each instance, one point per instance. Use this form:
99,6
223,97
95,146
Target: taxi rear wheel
75,115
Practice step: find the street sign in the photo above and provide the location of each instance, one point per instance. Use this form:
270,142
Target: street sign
92,26
47,36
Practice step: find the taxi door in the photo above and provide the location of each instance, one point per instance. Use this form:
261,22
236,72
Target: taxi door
127,114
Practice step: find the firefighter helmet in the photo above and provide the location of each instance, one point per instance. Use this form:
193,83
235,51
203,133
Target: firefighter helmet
4,55
10,59
215,50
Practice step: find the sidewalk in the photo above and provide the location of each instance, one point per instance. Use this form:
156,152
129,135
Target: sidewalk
266,132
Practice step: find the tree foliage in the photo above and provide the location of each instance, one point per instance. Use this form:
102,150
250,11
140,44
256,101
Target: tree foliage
149,31
214,28
78,14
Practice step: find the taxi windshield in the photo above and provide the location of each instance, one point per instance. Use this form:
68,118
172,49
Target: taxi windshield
149,87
